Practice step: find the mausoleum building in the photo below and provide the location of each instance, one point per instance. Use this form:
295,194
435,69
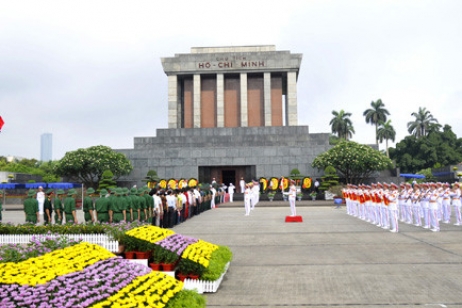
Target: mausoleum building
232,113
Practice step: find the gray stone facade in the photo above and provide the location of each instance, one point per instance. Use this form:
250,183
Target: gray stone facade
270,151
229,153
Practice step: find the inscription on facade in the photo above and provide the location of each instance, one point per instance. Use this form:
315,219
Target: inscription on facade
223,63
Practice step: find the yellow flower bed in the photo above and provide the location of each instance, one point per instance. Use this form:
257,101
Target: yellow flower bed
200,252
152,290
149,233
59,262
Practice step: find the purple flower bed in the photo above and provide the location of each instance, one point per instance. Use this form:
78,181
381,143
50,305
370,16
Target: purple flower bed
176,243
80,289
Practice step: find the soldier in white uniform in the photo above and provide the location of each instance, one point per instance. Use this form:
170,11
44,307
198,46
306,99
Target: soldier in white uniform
392,197
446,204
416,208
214,193
247,199
292,196
424,203
435,224
231,192
455,196
242,184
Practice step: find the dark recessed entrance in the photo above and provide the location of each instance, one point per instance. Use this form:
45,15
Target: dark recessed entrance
226,174
229,176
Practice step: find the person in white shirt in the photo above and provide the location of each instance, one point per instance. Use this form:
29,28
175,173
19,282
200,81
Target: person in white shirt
157,210
171,205
198,197
214,193
41,200
231,192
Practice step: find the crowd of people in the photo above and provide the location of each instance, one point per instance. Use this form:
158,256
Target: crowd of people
423,205
160,207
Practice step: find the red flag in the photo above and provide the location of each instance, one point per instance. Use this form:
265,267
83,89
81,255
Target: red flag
1,123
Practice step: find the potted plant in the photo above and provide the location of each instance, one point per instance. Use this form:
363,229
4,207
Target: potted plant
313,195
271,195
299,196
156,258
130,246
168,260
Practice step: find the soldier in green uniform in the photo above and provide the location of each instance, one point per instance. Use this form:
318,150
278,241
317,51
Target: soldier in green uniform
1,207
128,200
31,209
135,204
149,203
118,208
102,207
142,202
88,207
58,206
69,207
47,207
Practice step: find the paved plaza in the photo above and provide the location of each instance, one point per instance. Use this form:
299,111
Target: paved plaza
329,260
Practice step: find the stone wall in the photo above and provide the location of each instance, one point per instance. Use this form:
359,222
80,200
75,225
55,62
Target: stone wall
274,151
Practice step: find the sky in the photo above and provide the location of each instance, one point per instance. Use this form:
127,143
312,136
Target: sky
90,73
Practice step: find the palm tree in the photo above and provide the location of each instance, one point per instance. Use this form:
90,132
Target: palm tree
375,115
342,125
423,122
387,132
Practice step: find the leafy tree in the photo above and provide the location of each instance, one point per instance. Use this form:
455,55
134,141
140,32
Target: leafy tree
429,177
439,148
152,178
353,160
387,132
341,124
329,179
422,123
88,165
376,115
107,180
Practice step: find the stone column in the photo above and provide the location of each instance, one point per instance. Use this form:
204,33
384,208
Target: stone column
173,114
197,101
291,111
220,101
244,120
267,98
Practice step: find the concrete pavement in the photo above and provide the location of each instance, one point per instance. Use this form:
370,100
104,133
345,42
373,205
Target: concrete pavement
331,259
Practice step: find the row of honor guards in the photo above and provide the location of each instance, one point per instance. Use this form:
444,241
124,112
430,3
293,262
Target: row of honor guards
116,205
423,205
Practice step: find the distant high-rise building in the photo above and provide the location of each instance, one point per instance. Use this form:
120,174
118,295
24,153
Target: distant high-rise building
45,147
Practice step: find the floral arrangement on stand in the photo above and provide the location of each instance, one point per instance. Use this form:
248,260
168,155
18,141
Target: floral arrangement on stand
210,259
86,275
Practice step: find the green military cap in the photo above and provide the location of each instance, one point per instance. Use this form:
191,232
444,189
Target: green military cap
103,192
60,192
90,190
49,191
140,191
133,191
119,191
71,192
30,193
126,191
